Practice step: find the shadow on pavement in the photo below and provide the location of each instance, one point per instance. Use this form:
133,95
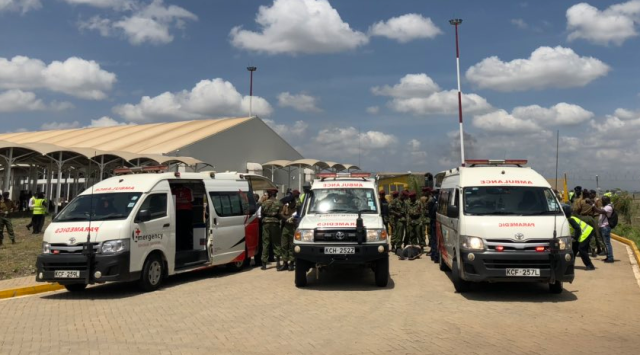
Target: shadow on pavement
534,292
344,278
118,290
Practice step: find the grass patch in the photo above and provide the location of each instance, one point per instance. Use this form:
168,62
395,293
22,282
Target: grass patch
629,232
18,260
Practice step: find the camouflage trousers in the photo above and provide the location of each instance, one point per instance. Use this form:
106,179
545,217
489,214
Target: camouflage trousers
398,234
286,242
4,221
413,233
271,234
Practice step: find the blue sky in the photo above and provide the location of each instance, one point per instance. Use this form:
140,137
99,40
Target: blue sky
334,76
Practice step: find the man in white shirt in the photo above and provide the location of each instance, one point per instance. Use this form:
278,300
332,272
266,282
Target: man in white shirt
603,222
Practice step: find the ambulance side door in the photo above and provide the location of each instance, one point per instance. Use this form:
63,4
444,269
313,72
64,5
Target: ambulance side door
227,225
153,228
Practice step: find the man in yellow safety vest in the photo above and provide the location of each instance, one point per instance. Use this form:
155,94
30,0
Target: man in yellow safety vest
581,232
39,211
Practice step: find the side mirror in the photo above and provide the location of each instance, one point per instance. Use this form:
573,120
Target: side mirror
143,216
453,211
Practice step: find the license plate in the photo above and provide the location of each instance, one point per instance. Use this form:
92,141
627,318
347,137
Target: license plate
523,272
67,274
339,250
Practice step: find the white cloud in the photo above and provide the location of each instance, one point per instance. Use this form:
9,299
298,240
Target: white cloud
22,6
534,118
209,98
560,114
348,141
614,25
416,153
59,125
17,101
405,28
151,23
373,110
419,95
503,122
104,4
298,27
627,115
299,102
106,121
75,76
518,22
547,67
298,129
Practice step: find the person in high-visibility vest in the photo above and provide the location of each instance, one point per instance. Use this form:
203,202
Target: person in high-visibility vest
39,211
581,232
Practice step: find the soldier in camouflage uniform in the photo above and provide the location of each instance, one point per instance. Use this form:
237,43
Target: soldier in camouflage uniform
398,209
393,216
6,207
414,214
424,219
270,211
290,206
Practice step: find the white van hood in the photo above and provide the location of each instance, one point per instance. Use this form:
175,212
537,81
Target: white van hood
76,232
507,227
313,221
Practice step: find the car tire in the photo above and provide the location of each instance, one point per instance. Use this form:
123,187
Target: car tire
556,287
152,273
301,273
76,287
382,272
459,284
441,264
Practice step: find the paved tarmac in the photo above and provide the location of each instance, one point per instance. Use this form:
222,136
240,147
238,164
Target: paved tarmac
261,312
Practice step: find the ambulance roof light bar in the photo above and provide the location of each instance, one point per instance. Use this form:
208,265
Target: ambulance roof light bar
496,162
141,169
323,176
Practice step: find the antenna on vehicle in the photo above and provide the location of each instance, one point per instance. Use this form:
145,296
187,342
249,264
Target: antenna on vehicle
88,250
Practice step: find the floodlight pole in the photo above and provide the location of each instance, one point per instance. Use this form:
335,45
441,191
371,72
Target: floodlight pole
251,70
456,22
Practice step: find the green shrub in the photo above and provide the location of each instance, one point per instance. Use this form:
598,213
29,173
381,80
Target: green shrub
628,231
623,204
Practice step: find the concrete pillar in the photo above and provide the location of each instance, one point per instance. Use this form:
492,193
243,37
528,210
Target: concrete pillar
7,171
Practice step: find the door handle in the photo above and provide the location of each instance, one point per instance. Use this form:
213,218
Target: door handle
215,221
166,225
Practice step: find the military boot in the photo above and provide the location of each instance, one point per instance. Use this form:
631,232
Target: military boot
264,266
291,266
278,266
283,267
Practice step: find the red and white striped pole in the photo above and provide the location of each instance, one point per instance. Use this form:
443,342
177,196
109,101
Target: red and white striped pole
457,22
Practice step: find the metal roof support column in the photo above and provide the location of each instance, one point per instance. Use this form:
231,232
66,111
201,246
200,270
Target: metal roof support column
301,176
101,165
7,171
76,181
59,162
66,180
48,188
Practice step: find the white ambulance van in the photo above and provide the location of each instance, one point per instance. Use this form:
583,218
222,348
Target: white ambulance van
145,227
340,224
500,221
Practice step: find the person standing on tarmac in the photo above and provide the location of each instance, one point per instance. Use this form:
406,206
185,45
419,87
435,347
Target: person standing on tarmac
270,212
39,211
581,233
414,214
384,209
432,206
424,219
6,207
394,213
289,208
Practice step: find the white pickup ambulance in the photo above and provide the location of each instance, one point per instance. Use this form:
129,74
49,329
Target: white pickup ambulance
147,226
341,223
500,221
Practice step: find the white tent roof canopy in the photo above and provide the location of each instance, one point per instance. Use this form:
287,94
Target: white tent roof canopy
310,164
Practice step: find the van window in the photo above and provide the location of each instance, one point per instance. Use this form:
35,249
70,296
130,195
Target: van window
99,207
229,204
510,200
156,204
443,201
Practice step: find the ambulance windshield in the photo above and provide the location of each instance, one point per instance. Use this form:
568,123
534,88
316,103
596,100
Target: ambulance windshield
103,207
510,200
343,201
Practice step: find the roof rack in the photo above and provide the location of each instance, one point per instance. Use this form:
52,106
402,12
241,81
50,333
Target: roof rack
496,162
323,176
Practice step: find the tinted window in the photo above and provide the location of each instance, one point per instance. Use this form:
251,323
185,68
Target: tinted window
343,200
156,204
229,204
510,200
110,206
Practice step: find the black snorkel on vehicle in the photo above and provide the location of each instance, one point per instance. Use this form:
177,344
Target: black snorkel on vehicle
361,232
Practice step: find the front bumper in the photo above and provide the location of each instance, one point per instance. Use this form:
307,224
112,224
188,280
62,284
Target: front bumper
113,267
491,266
364,253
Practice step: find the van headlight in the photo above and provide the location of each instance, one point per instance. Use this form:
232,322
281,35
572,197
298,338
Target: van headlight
564,243
304,235
472,243
46,248
114,246
376,235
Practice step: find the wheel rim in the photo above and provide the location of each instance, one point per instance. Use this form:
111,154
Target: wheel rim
155,272
239,264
